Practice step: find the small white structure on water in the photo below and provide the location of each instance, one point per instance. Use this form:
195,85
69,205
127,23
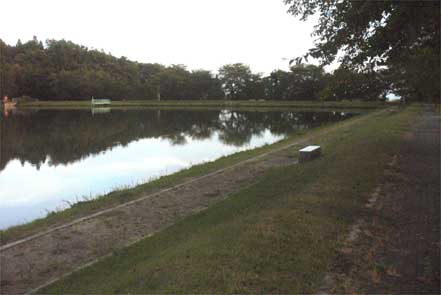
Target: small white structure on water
309,153
100,101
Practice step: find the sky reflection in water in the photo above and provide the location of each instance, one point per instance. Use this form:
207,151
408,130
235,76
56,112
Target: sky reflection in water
49,171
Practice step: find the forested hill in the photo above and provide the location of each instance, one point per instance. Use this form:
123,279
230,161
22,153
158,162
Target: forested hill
60,70
64,70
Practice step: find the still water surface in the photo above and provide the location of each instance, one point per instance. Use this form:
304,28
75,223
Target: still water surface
50,158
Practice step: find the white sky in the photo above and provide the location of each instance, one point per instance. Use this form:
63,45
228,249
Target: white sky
198,33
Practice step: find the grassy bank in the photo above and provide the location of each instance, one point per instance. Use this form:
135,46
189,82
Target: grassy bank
279,235
122,195
207,103
87,206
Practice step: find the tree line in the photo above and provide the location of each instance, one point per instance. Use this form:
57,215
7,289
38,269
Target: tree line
60,70
385,46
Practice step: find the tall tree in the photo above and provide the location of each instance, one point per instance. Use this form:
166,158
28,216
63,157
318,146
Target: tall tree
347,84
276,85
234,79
378,34
306,81
205,86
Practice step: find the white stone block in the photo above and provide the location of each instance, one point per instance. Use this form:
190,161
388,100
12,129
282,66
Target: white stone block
309,153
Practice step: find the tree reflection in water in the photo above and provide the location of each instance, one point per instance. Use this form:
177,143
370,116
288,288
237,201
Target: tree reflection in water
66,136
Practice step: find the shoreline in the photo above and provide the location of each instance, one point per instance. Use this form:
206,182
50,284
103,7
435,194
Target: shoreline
209,103
119,196
116,196
331,192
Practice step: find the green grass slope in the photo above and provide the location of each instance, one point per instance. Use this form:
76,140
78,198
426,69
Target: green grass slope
280,235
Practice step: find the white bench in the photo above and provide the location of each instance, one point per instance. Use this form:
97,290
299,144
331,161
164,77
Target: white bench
100,101
309,153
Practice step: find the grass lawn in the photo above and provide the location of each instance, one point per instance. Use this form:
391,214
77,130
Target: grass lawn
209,103
280,235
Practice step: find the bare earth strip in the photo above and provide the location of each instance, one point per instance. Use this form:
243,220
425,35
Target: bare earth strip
33,262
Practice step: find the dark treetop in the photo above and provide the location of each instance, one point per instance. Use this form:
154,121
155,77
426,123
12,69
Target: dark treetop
399,38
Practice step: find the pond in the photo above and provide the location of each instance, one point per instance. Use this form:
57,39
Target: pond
52,158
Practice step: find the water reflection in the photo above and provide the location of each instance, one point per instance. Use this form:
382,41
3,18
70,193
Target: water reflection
49,158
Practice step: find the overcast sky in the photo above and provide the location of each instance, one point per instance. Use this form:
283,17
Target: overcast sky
198,33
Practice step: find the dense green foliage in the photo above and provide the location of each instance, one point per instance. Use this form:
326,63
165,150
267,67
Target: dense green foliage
61,70
346,84
399,38
64,70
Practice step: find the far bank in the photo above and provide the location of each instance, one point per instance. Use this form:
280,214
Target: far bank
210,103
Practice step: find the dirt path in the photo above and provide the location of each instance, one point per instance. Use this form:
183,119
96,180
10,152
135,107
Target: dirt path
398,246
43,258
